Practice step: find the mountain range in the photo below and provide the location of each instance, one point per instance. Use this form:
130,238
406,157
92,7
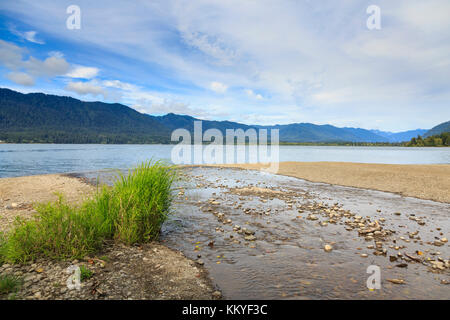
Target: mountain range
38,117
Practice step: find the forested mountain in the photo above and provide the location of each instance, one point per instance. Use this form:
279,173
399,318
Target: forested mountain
437,130
38,117
49,118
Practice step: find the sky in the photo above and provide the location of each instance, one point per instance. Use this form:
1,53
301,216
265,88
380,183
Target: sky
250,61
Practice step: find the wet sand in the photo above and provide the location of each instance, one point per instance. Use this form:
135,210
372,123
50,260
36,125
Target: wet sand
430,182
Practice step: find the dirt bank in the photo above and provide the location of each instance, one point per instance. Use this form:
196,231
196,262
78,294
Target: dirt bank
431,182
150,271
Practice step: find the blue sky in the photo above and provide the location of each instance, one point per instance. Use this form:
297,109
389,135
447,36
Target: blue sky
252,61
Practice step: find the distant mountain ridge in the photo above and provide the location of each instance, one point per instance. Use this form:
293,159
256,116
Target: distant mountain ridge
400,136
38,117
440,128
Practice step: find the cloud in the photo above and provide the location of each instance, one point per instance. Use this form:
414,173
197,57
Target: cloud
213,48
253,95
51,66
26,35
11,56
315,60
21,78
218,87
120,85
31,36
83,72
153,102
86,88
425,17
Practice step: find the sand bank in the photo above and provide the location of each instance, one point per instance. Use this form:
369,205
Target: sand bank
431,182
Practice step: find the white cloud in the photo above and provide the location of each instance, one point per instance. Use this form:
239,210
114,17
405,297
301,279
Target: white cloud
31,36
51,66
253,95
120,85
83,72
21,78
85,88
214,48
316,60
26,35
11,56
218,87
424,16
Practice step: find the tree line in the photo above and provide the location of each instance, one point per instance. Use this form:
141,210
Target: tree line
439,140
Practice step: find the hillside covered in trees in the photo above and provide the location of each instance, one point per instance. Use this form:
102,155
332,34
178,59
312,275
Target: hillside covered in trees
440,140
43,118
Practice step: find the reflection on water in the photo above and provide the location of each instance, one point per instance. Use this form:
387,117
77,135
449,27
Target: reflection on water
287,260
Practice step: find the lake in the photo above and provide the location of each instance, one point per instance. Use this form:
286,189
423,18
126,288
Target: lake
31,159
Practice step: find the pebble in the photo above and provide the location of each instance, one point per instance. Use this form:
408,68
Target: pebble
200,262
396,281
438,243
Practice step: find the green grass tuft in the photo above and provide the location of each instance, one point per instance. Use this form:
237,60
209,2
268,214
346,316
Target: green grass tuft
132,211
9,284
85,273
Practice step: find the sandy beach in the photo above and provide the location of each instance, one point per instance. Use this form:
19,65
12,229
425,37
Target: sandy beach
18,195
430,182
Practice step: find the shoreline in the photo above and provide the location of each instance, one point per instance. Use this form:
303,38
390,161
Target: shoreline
425,181
422,181
302,144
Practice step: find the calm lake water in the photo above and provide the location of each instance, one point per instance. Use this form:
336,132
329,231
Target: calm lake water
31,159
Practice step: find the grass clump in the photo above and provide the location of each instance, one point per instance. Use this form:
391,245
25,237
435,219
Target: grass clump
132,211
9,284
139,203
85,273
58,231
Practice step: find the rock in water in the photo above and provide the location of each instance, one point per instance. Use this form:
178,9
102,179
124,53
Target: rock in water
396,281
200,262
250,238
